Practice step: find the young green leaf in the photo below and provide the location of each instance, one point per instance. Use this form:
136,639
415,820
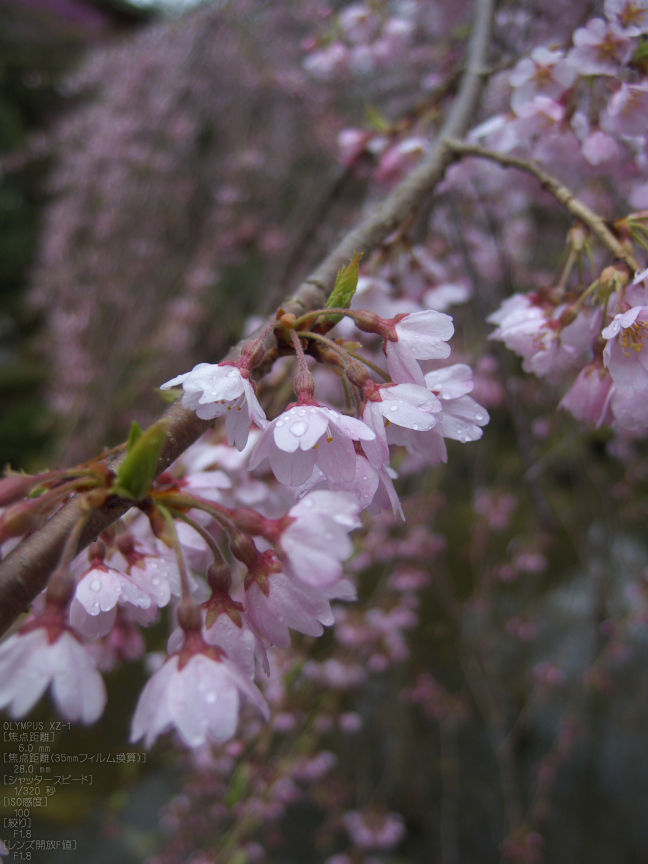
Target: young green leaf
345,287
137,471
134,435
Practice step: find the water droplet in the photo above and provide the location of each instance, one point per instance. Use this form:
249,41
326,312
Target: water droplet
394,408
95,585
210,697
415,427
280,423
479,416
298,428
155,581
308,503
365,478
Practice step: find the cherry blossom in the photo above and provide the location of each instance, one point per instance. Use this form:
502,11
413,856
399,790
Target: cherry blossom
374,830
45,654
406,405
316,539
214,390
306,435
417,336
544,73
625,355
533,329
460,418
197,692
588,399
373,488
274,602
627,111
599,48
630,16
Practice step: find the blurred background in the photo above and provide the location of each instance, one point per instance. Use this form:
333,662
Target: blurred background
166,172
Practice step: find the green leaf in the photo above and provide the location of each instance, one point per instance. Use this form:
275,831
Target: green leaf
134,435
137,471
345,287
377,120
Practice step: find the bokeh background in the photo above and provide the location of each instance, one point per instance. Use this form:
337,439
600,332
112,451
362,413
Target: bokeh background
168,172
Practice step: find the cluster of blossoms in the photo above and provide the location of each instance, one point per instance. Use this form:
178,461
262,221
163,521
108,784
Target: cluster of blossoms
362,38
286,543
602,340
581,106
315,694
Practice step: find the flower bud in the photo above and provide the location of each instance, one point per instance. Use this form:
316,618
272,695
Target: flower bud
219,577
189,617
18,519
243,549
15,487
357,373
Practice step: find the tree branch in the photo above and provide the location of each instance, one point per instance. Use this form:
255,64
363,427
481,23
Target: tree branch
25,571
562,193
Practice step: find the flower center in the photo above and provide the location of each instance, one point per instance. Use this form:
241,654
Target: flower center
631,338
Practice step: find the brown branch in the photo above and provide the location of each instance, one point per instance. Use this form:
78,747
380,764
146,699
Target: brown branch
25,571
562,193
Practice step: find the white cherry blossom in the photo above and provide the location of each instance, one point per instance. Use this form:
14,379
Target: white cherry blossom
212,390
420,336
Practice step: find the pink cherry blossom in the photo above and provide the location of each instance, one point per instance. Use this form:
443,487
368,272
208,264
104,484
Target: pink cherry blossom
307,435
626,352
316,540
599,48
214,390
406,405
627,111
358,23
630,412
197,692
40,656
418,336
275,602
544,73
541,117
630,16
372,487
588,399
400,158
600,149
532,329
374,830
229,632
326,62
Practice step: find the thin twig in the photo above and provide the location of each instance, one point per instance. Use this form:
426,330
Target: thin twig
562,193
